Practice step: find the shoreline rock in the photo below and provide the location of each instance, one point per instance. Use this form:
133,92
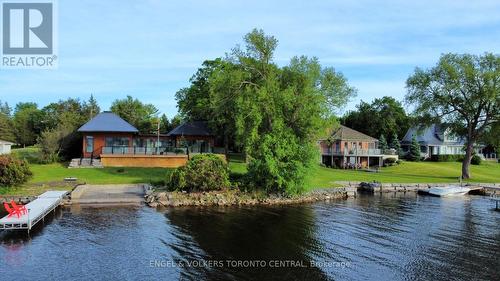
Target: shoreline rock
236,197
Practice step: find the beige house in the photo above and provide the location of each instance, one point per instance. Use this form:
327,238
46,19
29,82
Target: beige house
348,148
5,147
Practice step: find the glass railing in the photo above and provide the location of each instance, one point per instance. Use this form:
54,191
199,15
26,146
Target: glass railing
371,151
141,150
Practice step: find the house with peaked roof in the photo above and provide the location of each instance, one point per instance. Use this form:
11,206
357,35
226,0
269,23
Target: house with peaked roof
348,148
105,131
435,140
196,135
114,142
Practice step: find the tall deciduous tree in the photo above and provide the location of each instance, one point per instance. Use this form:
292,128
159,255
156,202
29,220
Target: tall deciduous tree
492,137
28,123
6,130
194,101
384,116
6,126
277,113
142,116
461,90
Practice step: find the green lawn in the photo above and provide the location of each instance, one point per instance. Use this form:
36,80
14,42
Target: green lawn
57,172
51,176
406,172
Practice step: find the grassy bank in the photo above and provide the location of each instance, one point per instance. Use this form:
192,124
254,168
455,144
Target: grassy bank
51,176
406,172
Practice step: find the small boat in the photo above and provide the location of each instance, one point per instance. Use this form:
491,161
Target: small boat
448,190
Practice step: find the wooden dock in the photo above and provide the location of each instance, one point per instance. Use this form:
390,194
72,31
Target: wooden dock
38,209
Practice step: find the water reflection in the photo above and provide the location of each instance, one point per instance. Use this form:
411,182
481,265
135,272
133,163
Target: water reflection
386,237
264,234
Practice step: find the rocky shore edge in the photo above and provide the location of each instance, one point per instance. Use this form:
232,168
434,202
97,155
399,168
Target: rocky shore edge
236,197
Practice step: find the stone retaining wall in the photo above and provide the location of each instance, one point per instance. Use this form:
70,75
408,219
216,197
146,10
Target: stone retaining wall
236,197
487,188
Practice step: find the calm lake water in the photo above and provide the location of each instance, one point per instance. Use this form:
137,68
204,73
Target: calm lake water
391,237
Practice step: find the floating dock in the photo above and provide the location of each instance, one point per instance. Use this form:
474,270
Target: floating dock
38,209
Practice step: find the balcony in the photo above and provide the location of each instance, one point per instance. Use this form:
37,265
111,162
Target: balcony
354,152
164,150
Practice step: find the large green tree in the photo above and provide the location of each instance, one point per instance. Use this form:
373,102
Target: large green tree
276,113
492,137
70,108
62,141
461,90
6,126
383,117
6,130
194,101
143,116
59,139
28,123
197,103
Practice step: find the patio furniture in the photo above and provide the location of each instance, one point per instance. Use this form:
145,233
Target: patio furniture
20,208
10,211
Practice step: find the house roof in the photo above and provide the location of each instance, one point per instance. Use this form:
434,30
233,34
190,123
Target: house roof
6,142
346,133
108,122
195,128
432,135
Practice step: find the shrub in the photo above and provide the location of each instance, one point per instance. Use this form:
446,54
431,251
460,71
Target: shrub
13,171
179,151
475,160
203,172
280,163
399,161
447,158
389,161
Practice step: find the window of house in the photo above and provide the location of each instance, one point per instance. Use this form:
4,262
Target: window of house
89,140
117,141
138,142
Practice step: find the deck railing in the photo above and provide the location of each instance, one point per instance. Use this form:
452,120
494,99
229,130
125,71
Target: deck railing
142,150
355,152
164,150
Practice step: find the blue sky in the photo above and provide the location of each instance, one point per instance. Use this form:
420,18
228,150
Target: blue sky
150,49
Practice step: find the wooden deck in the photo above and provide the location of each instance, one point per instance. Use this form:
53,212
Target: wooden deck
37,210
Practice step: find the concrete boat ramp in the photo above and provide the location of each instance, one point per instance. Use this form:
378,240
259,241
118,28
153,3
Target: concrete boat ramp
38,209
109,194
